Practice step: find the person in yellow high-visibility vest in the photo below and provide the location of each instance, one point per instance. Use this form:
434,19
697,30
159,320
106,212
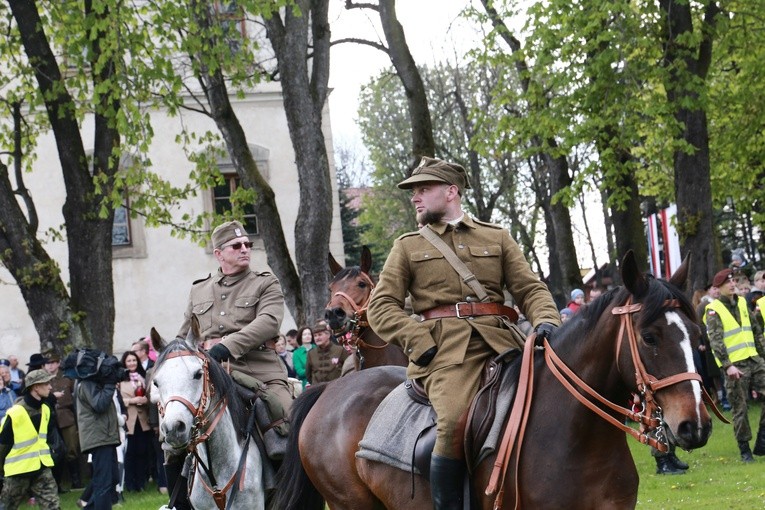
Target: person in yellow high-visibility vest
737,344
24,452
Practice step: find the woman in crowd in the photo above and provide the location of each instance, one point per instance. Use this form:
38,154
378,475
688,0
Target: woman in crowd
285,355
139,451
7,396
300,355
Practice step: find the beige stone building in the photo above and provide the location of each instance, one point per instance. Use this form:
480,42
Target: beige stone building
153,271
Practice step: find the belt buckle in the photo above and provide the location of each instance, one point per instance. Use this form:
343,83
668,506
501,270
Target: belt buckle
457,309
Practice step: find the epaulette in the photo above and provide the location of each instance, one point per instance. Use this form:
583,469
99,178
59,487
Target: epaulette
202,279
262,273
408,234
487,224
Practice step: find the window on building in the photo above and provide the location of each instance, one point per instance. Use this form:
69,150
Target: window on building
222,202
232,20
121,227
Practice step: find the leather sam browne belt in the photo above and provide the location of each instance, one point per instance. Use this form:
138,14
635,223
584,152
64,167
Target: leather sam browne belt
465,310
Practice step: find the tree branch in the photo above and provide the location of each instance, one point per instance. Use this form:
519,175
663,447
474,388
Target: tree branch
365,42
350,5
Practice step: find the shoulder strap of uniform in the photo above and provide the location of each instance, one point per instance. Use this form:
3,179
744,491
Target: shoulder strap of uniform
202,279
487,224
459,266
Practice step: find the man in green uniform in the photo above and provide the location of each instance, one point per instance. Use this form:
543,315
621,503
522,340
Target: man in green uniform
239,312
325,363
738,348
454,333
24,452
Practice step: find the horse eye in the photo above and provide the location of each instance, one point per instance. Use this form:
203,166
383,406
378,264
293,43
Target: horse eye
198,375
362,285
648,338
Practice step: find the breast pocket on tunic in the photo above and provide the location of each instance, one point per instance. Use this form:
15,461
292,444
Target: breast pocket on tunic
486,264
244,310
429,268
203,313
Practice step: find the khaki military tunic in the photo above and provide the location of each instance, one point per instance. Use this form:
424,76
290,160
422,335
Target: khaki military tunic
324,365
416,267
246,310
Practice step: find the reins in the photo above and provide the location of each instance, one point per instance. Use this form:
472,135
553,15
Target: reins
649,417
206,418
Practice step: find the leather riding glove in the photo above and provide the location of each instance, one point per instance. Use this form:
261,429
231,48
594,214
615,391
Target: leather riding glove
545,330
219,352
426,357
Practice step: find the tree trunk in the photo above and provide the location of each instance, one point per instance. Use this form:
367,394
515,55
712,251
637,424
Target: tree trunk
560,238
304,99
419,113
88,235
691,168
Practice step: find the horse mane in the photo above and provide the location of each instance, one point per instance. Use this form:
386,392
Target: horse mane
654,302
223,383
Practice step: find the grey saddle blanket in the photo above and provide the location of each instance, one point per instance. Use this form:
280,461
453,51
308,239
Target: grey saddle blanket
393,430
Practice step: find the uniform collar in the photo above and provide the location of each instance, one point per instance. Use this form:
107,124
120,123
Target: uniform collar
230,279
440,227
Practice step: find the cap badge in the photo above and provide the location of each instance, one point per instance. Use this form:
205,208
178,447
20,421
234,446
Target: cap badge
238,232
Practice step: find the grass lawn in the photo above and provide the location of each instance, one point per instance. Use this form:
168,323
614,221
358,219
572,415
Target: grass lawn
717,479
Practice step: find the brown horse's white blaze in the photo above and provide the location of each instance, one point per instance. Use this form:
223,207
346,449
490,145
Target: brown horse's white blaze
690,430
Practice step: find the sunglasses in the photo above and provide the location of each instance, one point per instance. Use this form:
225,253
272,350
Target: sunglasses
238,246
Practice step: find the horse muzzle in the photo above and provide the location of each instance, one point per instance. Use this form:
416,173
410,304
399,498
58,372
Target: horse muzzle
337,320
176,433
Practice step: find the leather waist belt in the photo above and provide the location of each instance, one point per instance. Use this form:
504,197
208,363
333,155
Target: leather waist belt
464,310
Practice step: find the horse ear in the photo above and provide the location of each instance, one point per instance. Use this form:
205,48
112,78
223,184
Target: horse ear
156,340
680,276
334,267
192,337
633,279
366,259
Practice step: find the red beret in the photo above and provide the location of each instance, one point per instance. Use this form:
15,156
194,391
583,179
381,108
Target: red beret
721,277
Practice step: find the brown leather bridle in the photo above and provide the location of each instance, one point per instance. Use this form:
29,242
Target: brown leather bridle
358,321
650,416
206,415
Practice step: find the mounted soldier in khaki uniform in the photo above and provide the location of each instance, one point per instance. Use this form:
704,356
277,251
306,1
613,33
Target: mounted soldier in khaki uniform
460,325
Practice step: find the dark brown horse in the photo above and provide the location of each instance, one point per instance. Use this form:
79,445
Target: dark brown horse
571,457
350,291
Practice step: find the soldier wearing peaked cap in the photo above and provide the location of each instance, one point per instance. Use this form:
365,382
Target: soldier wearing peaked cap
239,312
457,331
25,456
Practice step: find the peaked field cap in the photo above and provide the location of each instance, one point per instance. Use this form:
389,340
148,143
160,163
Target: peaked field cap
226,232
38,376
437,170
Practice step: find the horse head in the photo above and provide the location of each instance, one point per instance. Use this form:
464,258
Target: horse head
177,385
666,334
350,290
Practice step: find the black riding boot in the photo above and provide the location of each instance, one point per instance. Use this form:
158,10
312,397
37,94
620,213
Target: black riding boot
173,470
664,466
759,445
446,480
746,453
679,464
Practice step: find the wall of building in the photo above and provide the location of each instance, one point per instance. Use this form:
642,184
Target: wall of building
153,277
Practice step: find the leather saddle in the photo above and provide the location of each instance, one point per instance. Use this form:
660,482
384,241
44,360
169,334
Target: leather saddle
480,417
